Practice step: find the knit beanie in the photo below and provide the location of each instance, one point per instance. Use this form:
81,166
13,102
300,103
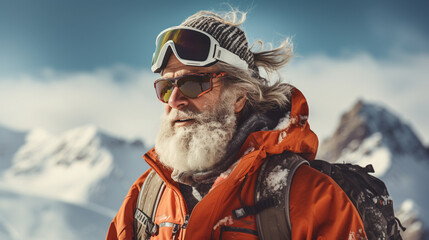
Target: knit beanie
229,37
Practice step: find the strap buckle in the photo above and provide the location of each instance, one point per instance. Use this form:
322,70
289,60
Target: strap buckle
150,227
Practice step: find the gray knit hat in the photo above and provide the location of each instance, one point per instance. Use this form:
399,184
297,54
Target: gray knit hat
229,37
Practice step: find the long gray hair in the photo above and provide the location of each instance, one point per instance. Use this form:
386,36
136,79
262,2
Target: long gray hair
263,94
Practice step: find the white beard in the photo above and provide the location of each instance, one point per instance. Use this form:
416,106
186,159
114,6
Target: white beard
200,145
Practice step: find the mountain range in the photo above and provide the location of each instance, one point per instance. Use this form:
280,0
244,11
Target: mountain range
69,186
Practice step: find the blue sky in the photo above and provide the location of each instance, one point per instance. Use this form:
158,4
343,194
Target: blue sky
84,35
54,50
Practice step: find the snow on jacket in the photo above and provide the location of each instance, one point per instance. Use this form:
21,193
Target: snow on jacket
319,209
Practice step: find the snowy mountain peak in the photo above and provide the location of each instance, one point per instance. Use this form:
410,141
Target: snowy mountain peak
37,134
80,165
43,150
398,136
363,121
85,133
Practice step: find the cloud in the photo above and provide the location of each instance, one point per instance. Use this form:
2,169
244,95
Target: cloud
121,100
333,85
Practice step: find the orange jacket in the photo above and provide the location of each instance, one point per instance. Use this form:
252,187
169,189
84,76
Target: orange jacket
319,209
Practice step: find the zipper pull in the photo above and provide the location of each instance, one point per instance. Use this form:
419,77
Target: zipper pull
185,224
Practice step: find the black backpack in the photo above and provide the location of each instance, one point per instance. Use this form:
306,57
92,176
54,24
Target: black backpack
368,194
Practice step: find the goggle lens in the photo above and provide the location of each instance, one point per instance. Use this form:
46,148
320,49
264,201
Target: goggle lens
189,44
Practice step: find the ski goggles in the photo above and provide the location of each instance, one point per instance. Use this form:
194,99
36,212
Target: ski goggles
192,85
192,47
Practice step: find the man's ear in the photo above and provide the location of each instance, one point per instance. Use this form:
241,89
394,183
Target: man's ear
239,103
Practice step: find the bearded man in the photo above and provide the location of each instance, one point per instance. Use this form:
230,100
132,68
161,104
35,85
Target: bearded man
225,130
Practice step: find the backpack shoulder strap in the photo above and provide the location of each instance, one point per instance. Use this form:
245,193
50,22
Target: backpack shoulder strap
274,222
147,204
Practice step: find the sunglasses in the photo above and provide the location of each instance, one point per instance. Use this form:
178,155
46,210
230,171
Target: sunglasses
192,47
192,85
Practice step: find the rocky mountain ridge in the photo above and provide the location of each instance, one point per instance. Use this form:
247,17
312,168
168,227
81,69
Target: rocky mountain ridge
361,122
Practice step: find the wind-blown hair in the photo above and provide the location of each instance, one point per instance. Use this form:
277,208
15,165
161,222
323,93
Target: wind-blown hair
263,94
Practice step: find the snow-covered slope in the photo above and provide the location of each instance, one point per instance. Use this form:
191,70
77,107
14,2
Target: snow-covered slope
29,217
82,165
371,134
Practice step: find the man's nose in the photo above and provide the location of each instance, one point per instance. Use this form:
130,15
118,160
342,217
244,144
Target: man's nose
177,99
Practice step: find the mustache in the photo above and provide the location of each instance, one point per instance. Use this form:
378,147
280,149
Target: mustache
185,113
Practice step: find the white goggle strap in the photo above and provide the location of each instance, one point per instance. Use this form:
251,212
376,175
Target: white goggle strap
226,56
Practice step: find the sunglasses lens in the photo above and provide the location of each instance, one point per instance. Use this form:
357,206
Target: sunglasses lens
163,89
190,45
193,85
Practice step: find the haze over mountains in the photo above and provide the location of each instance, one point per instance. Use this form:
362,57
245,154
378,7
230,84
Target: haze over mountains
70,186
